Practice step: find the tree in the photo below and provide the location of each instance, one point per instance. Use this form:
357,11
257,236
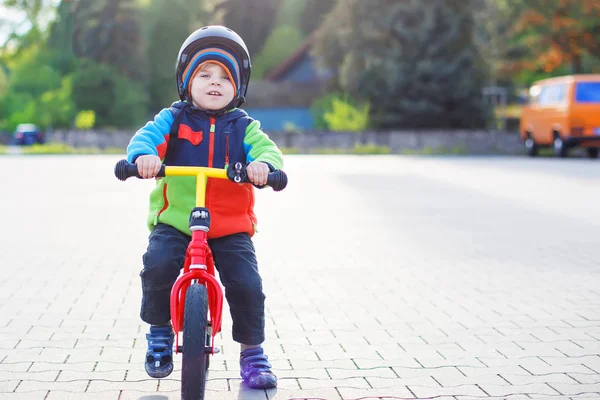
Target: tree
558,33
36,13
109,32
116,100
493,20
60,38
169,24
253,20
283,41
314,14
413,61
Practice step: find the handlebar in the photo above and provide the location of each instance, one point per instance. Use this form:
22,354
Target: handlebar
235,172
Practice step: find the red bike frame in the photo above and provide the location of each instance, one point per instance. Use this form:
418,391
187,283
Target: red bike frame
199,264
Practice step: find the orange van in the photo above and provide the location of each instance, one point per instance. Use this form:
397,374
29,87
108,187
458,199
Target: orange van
562,113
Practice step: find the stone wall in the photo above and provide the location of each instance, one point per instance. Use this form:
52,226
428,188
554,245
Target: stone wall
474,142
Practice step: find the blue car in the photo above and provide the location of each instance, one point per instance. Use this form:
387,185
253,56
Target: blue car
28,134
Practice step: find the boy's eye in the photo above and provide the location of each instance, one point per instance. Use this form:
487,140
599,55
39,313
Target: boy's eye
225,77
205,76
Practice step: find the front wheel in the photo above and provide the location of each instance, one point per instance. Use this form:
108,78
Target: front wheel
560,150
193,365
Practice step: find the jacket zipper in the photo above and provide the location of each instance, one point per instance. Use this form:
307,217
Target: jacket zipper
211,143
226,149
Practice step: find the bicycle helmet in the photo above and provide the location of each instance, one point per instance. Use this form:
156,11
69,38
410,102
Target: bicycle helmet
218,44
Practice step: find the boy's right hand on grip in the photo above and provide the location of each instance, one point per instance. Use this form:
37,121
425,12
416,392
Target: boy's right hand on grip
148,166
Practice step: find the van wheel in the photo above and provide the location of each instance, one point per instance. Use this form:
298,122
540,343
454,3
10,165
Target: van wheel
530,147
592,152
560,150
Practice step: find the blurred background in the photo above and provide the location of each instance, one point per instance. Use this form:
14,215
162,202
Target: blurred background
374,76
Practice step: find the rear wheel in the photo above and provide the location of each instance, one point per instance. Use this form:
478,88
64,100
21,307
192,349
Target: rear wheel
194,360
530,147
560,150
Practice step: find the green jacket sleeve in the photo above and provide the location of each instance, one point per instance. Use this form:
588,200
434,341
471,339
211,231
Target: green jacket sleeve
259,147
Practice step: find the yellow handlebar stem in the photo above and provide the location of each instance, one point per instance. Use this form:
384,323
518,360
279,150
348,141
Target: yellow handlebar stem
201,174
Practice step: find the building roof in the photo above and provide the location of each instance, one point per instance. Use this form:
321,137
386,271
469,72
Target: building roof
292,60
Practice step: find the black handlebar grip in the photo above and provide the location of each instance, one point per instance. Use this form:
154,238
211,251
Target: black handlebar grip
277,180
124,170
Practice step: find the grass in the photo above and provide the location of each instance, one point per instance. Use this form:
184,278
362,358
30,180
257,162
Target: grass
436,150
368,149
357,149
61,148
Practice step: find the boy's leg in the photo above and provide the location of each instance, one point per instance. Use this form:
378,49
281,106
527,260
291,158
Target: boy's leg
235,260
162,262
238,270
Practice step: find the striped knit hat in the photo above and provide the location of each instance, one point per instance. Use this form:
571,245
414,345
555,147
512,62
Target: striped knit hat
219,45
215,56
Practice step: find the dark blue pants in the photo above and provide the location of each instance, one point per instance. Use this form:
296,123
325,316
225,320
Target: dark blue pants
235,260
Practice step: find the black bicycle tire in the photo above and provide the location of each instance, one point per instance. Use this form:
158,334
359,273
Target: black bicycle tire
193,365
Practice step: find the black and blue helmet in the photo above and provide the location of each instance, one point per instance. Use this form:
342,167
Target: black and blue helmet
222,46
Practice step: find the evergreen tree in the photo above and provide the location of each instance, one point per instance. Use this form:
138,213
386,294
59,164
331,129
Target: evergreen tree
414,61
60,39
314,14
109,32
170,22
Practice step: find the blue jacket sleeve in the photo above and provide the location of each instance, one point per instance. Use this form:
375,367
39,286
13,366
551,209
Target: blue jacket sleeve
152,138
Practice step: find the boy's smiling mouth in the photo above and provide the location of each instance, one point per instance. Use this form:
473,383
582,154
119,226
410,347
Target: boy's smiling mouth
214,93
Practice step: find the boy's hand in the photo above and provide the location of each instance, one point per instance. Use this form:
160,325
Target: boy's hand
257,173
148,166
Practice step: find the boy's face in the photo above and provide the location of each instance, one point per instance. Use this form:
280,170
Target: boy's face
211,88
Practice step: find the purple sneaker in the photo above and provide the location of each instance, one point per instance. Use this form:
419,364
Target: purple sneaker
256,370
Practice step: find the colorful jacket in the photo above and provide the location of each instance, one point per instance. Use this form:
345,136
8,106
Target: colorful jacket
207,141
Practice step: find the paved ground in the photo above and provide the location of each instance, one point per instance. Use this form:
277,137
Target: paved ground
386,277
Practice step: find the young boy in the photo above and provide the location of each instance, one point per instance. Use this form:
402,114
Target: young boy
213,70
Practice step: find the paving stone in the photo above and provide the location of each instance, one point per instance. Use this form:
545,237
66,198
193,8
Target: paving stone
446,305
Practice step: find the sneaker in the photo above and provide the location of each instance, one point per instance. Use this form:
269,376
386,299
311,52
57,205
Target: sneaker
256,370
159,356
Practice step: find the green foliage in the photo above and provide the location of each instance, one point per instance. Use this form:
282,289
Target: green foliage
61,148
169,24
314,13
26,114
347,118
253,20
85,119
416,65
15,108
3,82
288,12
55,107
282,43
371,149
324,105
116,101
31,72
321,106
109,32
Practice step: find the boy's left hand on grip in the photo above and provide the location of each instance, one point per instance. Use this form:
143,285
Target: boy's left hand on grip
258,173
